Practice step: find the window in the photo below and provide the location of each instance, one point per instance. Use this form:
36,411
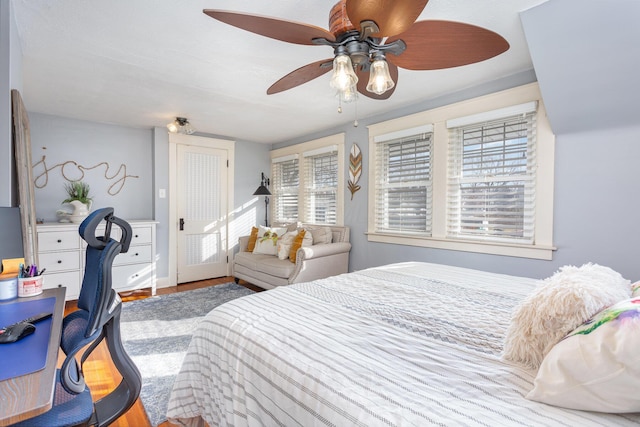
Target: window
403,184
492,179
321,185
307,182
285,183
474,176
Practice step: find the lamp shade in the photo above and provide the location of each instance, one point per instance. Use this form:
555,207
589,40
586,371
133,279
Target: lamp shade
262,191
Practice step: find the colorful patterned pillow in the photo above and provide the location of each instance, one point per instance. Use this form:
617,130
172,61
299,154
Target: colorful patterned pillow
595,367
635,289
252,239
268,240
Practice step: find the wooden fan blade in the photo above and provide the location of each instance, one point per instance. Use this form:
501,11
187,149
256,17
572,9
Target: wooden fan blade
391,16
301,75
286,31
363,79
433,45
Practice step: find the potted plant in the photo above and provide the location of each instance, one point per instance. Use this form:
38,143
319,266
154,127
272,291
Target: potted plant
78,197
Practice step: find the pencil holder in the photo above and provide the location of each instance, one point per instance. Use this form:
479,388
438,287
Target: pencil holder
29,286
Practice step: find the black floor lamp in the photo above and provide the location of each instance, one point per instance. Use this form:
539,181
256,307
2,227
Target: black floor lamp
264,191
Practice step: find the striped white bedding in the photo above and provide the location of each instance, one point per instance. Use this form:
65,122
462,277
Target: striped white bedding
410,344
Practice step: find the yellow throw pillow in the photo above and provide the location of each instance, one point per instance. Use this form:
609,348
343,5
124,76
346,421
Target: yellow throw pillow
252,239
297,243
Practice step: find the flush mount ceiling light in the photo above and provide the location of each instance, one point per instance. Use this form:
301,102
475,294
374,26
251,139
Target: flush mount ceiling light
181,125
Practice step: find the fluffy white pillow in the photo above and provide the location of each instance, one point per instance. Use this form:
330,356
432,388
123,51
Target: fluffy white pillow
267,240
284,244
595,368
558,305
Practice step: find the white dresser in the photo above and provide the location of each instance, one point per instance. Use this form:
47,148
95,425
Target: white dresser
61,252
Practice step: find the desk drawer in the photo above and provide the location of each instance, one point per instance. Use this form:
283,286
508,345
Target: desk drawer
135,255
60,261
58,240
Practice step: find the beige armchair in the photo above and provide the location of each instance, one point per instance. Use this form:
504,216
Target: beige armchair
312,262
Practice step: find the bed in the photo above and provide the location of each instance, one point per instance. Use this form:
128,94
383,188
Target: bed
410,344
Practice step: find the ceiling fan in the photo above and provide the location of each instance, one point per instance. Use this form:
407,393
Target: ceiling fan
385,36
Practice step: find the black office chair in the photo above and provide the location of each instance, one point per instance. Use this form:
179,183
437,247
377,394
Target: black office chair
97,318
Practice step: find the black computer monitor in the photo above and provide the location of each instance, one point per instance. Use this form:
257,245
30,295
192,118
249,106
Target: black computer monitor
10,233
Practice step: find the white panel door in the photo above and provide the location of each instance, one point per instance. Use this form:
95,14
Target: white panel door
201,212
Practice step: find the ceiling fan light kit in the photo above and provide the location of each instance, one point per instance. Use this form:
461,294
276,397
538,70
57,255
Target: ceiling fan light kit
379,78
344,77
385,36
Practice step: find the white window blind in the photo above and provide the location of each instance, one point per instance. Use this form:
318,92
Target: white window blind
491,184
321,186
403,184
285,182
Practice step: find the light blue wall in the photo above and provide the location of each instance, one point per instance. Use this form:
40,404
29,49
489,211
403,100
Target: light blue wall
115,161
161,206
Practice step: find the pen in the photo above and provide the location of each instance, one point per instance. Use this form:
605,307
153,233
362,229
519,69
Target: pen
21,270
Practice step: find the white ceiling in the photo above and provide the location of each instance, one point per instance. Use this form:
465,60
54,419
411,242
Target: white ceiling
141,63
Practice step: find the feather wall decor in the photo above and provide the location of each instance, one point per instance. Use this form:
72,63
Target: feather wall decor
355,168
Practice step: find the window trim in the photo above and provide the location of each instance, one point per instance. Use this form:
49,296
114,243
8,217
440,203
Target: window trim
543,236
316,145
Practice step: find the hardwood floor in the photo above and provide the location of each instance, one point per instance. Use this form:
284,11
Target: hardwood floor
101,375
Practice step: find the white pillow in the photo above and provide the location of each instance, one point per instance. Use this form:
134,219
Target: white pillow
595,368
267,240
284,244
558,305
321,235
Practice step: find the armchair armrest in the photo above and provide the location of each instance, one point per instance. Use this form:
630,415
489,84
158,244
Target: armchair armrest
319,261
318,251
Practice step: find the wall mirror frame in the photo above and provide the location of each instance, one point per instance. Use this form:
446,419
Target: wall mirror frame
26,193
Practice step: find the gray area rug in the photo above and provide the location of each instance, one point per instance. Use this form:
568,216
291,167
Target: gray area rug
156,332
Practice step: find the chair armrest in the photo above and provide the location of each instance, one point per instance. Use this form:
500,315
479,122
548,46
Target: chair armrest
320,261
318,251
243,243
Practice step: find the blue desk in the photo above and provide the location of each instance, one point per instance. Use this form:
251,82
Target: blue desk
26,396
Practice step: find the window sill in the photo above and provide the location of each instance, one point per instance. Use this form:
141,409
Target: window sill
492,248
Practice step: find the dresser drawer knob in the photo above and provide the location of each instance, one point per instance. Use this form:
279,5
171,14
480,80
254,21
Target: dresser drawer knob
60,286
59,240
59,261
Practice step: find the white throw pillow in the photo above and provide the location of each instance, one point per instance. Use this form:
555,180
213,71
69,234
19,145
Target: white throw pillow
321,235
268,240
558,305
284,244
595,368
